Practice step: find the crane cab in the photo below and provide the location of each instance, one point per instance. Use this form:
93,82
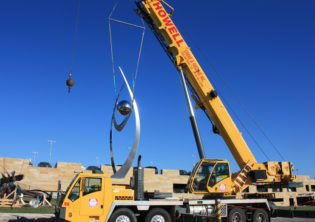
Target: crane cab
211,176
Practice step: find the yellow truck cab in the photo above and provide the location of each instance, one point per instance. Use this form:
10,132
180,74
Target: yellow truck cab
90,196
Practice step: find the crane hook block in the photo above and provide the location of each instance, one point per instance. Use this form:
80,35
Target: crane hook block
70,82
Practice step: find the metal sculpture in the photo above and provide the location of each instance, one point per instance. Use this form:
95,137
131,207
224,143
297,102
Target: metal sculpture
125,108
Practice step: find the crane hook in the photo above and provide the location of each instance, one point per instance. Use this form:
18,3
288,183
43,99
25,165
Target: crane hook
70,82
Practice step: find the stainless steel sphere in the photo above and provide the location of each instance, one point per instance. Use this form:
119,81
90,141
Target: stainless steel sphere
124,107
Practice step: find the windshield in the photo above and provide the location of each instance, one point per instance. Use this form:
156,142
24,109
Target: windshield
61,196
202,176
71,183
205,170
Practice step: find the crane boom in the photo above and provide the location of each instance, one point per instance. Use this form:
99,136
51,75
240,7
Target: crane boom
159,20
185,60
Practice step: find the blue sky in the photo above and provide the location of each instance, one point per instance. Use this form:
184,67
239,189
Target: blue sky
264,50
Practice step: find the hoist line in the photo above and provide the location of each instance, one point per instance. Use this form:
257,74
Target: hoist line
243,125
138,61
75,35
112,55
233,94
111,47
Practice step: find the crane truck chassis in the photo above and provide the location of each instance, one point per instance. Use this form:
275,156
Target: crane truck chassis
92,197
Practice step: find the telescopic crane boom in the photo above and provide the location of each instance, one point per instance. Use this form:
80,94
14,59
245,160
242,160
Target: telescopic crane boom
210,176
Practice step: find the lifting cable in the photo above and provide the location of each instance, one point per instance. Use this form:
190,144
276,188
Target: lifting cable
235,97
111,47
70,81
75,35
247,131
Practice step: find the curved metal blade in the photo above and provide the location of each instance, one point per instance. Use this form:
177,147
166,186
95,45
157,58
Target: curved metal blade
118,127
122,172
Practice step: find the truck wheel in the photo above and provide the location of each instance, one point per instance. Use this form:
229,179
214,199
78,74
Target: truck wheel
260,215
123,215
158,215
237,215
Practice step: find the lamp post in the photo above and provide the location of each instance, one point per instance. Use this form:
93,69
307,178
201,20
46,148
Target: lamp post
34,162
50,148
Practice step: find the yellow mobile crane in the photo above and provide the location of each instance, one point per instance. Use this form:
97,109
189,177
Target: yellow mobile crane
210,176
94,197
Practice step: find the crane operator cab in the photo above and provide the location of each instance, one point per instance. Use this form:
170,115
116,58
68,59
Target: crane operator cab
210,176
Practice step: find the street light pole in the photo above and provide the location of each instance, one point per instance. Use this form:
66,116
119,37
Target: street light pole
50,148
34,162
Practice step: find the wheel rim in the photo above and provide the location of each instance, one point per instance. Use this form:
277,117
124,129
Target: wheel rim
261,218
158,218
122,218
237,217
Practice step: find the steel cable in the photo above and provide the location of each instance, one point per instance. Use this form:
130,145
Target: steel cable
111,46
75,35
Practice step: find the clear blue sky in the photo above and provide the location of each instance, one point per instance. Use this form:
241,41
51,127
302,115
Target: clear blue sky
265,51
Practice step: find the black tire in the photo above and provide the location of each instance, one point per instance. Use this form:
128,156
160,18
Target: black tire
237,215
261,215
158,215
123,215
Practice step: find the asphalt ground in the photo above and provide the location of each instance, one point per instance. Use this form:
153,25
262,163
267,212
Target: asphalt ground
296,219
8,217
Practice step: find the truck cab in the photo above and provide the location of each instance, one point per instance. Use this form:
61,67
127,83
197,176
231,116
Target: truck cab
89,197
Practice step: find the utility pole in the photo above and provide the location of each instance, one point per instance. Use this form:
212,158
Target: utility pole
34,159
50,148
